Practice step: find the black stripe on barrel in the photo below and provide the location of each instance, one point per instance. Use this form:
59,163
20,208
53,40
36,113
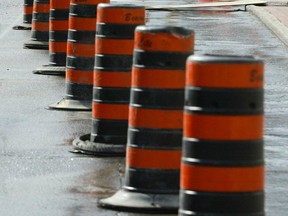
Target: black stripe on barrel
58,36
157,98
154,59
78,91
222,100
111,95
236,153
80,63
59,14
157,139
116,31
248,204
83,11
113,62
81,36
136,180
108,131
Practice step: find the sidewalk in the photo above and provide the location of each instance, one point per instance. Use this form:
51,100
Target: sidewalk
274,16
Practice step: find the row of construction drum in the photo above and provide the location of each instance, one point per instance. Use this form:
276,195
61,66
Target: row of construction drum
191,126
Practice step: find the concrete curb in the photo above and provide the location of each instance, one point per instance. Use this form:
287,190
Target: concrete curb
277,2
279,29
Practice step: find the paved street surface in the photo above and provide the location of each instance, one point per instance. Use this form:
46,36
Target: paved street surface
38,174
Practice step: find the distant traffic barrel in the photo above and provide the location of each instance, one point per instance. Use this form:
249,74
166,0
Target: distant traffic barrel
155,121
114,43
40,25
28,11
27,16
222,169
80,56
58,32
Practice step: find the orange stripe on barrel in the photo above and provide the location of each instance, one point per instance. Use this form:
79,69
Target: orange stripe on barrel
58,25
85,50
224,75
222,179
77,76
154,78
58,47
41,8
112,79
40,26
132,16
28,10
222,127
152,118
153,159
56,4
163,42
114,46
83,24
110,111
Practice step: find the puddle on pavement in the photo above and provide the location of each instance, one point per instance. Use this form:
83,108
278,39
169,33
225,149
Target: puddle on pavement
104,181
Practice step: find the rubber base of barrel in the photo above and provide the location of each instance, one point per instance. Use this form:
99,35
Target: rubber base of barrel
50,70
23,26
43,45
72,105
83,145
128,201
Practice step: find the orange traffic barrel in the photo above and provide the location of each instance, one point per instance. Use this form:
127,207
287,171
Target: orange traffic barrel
114,41
80,56
58,32
27,16
155,121
222,168
40,25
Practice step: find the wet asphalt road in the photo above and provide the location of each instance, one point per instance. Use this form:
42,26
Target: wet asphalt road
38,174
